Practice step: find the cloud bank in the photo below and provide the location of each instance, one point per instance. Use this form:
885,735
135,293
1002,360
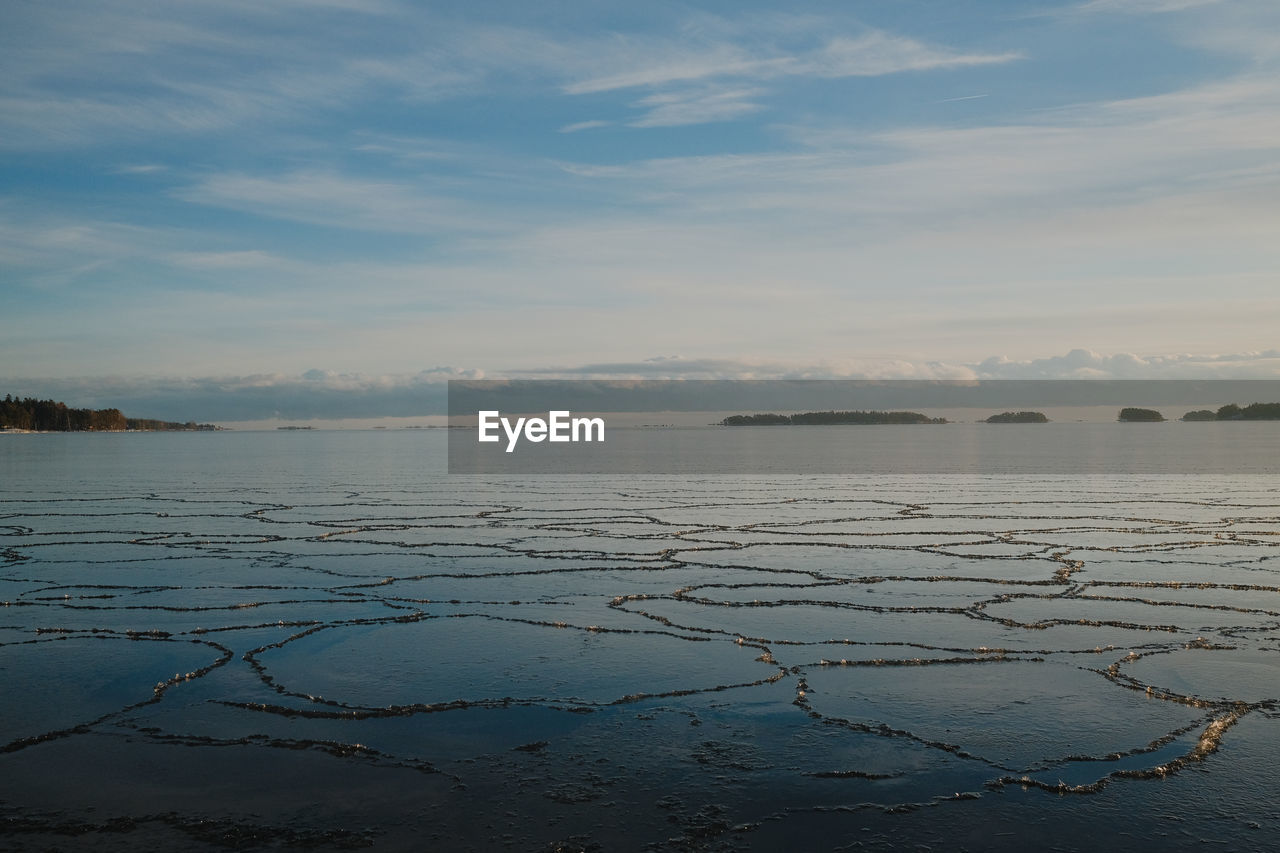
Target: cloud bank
320,394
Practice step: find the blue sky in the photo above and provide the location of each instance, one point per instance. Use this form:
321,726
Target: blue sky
386,192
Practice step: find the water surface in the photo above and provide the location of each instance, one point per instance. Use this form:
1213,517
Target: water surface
319,639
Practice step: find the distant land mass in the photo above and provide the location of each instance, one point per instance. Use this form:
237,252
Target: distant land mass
1232,412
1135,415
831,419
1251,412
1018,418
51,416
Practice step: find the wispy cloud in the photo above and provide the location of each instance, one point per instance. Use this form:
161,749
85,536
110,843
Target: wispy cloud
1220,136
700,82
408,149
1101,216
388,180
100,72
671,109
584,125
696,63
141,169
870,54
878,53
203,67
254,259
332,199
1140,7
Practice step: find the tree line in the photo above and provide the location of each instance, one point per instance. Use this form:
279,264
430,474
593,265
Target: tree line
1018,418
1229,412
53,416
1232,412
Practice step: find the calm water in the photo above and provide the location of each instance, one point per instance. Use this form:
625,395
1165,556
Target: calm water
319,640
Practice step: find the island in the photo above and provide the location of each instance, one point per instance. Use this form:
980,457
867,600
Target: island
31,415
831,419
1251,412
1133,415
1232,412
1018,418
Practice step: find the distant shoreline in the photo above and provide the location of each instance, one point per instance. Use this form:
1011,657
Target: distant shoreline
17,431
28,413
850,418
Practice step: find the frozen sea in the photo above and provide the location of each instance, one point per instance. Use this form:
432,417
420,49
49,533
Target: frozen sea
320,640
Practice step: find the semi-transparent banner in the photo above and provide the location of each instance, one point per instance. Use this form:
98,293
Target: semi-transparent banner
864,427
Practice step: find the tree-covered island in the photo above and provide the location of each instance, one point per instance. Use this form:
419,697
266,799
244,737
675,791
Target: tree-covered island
1232,412
1018,418
29,413
831,419
1131,415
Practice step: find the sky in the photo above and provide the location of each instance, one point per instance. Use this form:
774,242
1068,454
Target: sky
326,200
